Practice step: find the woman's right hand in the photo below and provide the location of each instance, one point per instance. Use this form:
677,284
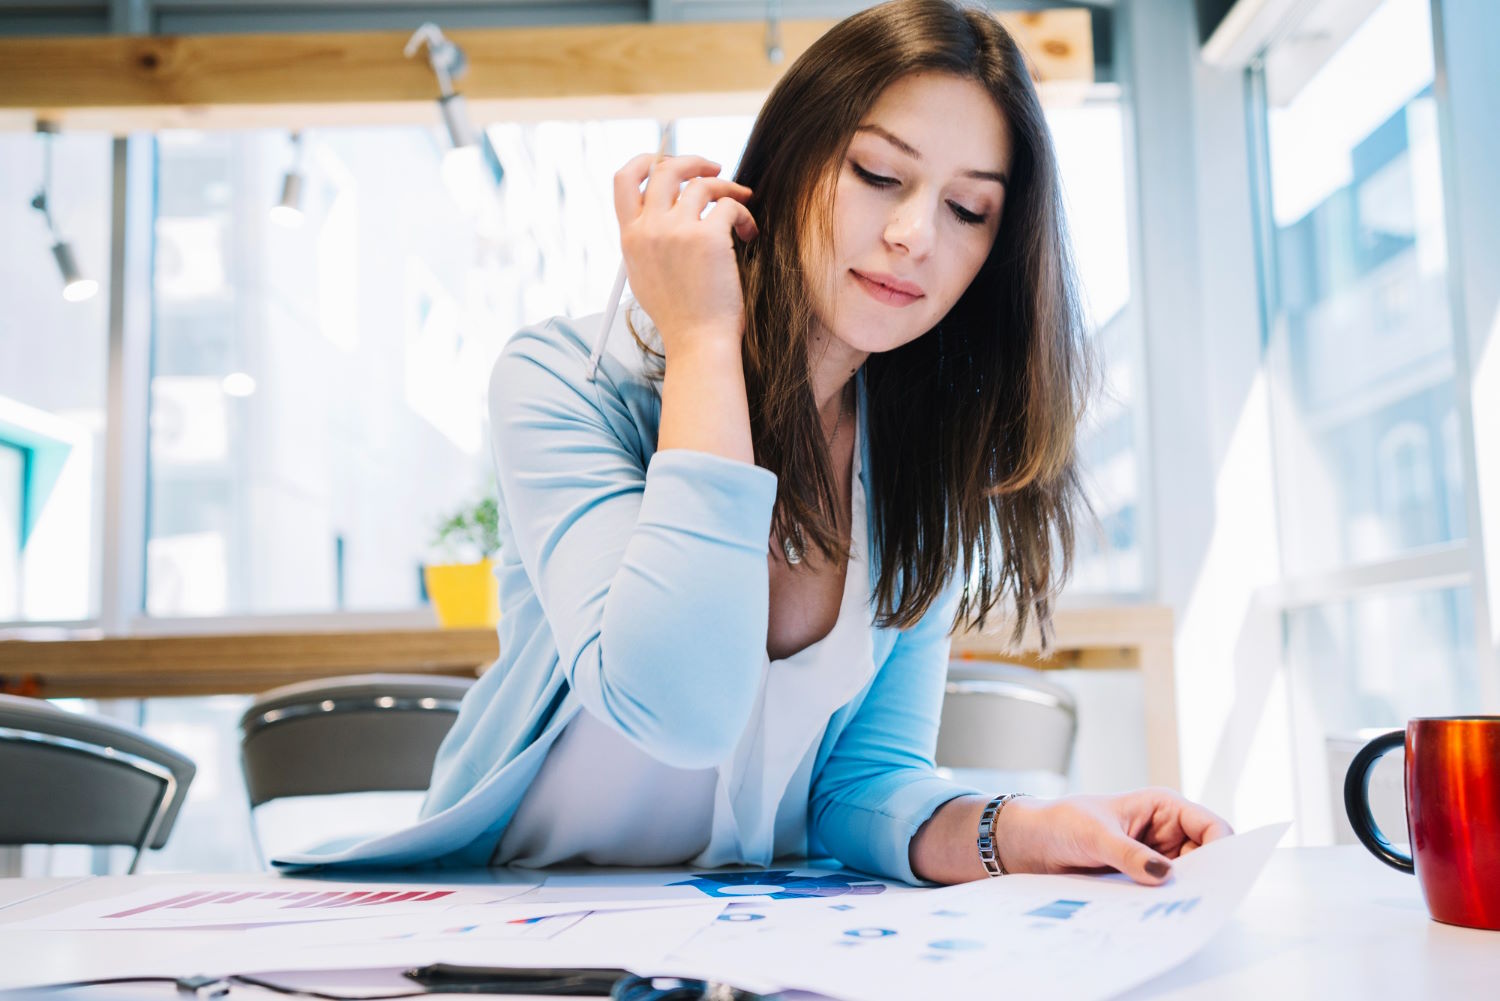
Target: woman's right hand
680,262
1136,832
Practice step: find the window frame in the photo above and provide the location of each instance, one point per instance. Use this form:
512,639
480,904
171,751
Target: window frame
1460,563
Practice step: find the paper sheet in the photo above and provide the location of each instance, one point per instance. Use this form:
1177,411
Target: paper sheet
189,906
638,940
506,921
1074,937
19,891
832,932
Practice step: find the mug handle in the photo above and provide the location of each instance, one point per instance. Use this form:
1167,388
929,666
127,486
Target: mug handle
1357,801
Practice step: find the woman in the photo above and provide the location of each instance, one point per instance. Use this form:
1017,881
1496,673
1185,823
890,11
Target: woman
732,561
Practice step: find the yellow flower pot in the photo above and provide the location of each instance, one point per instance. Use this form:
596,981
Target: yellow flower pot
464,594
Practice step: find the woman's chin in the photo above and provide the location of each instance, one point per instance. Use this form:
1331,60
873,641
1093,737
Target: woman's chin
874,338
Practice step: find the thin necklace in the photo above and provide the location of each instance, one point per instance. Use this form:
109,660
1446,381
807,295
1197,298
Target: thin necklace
792,544
837,421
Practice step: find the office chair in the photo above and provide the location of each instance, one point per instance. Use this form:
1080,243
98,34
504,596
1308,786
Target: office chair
1006,725
360,733
71,779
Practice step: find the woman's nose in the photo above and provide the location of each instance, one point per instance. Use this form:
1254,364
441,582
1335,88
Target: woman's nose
912,228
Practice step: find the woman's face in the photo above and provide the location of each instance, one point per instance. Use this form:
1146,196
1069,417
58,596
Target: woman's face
916,207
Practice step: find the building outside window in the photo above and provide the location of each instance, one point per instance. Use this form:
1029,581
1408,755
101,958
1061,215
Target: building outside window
1379,614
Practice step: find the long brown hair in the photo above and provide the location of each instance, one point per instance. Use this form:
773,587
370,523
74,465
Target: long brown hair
971,425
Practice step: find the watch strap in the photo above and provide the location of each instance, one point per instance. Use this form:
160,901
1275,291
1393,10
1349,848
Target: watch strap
989,853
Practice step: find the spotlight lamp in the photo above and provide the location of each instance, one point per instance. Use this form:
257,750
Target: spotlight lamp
288,211
774,50
448,64
76,287
470,166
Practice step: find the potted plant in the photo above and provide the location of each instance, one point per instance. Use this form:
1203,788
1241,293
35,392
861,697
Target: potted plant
463,588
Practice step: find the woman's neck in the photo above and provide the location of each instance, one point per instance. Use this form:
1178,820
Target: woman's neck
833,365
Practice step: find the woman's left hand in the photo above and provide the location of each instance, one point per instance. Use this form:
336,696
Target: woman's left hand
1138,833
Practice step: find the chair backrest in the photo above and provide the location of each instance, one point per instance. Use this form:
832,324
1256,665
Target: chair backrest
361,733
1005,717
68,778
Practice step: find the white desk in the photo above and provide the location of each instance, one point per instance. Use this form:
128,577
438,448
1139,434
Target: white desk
1333,923
1322,923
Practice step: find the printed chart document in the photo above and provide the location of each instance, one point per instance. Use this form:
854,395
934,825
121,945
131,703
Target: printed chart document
828,931
208,905
1074,937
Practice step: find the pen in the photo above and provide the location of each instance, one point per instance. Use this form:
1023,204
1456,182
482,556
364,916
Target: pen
613,305
448,978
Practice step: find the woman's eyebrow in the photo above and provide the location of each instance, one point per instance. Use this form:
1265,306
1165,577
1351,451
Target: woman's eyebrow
911,151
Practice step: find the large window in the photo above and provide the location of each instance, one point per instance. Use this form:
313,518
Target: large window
1362,342
53,358
1377,660
318,392
1369,456
1090,142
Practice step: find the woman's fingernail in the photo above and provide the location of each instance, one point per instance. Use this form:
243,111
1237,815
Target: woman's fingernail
1156,867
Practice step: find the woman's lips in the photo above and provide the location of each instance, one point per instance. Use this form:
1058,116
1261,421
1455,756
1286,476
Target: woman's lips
884,293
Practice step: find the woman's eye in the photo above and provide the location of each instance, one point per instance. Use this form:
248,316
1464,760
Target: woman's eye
875,180
965,216
878,181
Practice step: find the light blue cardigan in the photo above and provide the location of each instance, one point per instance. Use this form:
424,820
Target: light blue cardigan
634,583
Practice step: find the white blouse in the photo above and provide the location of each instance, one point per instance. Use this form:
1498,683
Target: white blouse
599,799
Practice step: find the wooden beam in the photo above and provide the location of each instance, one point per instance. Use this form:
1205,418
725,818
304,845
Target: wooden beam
126,83
1092,638
145,666
1093,658
1102,626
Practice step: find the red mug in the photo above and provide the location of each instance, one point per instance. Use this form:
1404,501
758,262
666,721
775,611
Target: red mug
1452,813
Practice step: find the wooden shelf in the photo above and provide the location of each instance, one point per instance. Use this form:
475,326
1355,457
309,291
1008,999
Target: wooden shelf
663,70
148,666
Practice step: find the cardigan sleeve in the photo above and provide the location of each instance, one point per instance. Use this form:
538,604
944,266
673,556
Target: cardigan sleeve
880,783
653,580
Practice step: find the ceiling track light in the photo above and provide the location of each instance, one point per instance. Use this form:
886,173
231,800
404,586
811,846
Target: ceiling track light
448,64
774,50
76,287
288,211
471,168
